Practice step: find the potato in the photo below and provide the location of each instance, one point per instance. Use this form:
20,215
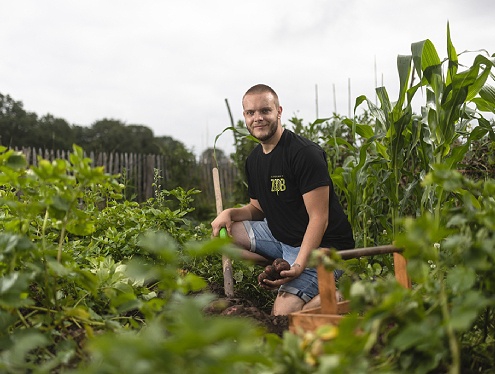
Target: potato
262,277
271,272
280,265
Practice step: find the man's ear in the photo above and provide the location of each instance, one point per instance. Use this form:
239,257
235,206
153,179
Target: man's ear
279,111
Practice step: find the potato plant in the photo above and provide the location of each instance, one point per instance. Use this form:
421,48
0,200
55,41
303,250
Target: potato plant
77,262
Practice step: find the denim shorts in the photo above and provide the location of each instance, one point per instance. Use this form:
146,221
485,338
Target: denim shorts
263,243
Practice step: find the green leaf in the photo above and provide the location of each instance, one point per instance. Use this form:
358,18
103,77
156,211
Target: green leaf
419,335
487,92
404,68
425,59
465,309
81,227
59,269
452,56
17,161
461,279
13,290
6,321
24,341
78,312
477,84
191,283
61,204
11,243
319,121
483,105
161,244
365,131
386,105
359,101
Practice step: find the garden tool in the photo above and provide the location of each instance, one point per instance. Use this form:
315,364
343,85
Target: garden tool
228,280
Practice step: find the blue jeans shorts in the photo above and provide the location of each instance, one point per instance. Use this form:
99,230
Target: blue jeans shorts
263,243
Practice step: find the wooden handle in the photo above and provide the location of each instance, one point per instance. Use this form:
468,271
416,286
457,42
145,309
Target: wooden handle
400,269
327,288
218,191
228,278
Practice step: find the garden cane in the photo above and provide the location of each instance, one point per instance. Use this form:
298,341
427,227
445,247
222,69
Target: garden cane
228,280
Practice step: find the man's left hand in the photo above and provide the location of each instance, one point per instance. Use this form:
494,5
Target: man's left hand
286,276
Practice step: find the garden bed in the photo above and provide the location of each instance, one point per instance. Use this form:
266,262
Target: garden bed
241,306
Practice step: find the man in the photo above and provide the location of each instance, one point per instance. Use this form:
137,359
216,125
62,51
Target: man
293,208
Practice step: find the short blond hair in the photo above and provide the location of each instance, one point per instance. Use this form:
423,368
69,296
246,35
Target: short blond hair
262,88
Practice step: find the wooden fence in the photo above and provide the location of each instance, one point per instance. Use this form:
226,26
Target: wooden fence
138,170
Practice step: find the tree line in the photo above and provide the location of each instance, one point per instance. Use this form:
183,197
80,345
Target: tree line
20,128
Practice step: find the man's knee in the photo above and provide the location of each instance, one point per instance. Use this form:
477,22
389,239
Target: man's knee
240,235
287,303
315,302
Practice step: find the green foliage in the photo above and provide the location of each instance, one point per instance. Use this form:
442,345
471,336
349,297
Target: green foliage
110,135
16,125
381,180
91,282
401,183
245,279
77,265
397,171
445,323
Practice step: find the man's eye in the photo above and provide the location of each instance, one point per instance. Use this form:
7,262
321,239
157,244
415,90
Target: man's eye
266,111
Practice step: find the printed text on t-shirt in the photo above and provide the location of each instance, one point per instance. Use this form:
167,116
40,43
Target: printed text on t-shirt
278,184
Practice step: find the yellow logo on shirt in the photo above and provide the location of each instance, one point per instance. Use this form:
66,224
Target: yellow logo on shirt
278,185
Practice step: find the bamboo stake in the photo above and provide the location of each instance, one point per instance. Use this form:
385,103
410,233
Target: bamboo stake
228,279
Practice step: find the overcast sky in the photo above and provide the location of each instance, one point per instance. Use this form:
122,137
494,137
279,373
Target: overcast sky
170,64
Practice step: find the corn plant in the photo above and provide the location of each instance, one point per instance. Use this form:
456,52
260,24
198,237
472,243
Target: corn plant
400,147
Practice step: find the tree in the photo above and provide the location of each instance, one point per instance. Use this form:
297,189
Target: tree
17,127
110,135
106,135
181,166
214,157
53,133
140,139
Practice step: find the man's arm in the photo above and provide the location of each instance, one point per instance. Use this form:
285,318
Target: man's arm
249,212
317,206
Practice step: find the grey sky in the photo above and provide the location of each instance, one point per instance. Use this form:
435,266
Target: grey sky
170,64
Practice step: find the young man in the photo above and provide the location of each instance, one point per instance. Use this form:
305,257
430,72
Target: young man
293,208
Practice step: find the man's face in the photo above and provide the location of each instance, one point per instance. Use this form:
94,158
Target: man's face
261,114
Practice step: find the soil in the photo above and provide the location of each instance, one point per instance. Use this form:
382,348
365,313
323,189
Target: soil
241,307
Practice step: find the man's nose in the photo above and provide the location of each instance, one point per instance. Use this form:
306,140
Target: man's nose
258,117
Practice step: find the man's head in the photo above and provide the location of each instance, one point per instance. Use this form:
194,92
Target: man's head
261,89
262,112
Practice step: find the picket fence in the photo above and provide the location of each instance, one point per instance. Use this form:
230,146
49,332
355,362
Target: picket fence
138,170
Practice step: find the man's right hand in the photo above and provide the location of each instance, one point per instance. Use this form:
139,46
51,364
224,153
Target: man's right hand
224,219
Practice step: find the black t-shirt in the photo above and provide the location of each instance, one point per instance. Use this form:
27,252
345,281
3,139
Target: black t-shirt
280,178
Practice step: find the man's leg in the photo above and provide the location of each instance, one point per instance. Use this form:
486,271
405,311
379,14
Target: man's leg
287,303
315,302
241,239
